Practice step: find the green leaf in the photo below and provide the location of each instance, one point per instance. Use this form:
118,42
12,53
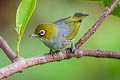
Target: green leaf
116,11
24,12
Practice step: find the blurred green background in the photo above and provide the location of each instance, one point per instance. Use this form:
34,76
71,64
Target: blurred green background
86,68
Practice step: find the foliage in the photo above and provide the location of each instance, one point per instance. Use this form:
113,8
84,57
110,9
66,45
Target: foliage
116,11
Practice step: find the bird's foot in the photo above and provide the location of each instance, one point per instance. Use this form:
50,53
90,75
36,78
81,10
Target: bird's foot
51,52
73,47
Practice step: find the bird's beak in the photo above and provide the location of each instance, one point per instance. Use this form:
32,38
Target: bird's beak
33,35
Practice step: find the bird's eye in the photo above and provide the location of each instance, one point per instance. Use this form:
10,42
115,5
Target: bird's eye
42,32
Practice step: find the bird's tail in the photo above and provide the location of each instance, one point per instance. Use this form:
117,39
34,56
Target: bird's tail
76,18
79,16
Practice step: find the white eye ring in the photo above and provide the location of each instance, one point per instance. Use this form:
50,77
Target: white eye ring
42,32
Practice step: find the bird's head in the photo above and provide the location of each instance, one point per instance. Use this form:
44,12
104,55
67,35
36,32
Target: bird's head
45,31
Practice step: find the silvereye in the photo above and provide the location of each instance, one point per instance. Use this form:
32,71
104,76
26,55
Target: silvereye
58,35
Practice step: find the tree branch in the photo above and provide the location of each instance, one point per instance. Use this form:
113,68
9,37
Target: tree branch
4,46
20,64
47,58
93,29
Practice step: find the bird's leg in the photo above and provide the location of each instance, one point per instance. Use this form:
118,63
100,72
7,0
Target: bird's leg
73,47
51,52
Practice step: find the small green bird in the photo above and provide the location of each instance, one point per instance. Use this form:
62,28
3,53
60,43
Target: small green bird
58,35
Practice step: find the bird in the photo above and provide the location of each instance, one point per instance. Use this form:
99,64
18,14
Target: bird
59,34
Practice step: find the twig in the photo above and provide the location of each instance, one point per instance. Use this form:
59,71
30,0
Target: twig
4,46
93,29
46,58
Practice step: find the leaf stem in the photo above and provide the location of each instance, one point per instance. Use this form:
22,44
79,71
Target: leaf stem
18,46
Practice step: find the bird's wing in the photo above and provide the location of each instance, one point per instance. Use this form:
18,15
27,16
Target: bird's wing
71,25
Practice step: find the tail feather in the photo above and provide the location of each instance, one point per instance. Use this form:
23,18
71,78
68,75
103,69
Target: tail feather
79,15
76,18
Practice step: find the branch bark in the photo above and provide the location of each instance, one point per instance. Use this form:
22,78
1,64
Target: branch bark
20,63
47,58
4,46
